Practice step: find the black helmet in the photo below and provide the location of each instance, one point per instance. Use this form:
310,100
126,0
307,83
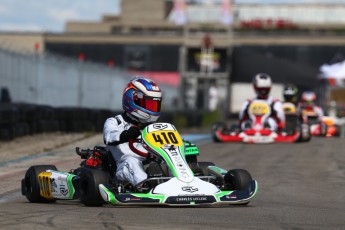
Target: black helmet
290,93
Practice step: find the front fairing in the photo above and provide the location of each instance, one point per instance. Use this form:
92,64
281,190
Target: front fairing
163,141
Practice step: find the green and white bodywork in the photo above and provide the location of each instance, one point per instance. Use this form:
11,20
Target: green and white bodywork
57,185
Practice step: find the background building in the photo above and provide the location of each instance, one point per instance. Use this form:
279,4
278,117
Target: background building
212,42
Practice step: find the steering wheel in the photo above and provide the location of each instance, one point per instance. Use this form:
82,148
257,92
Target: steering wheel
135,150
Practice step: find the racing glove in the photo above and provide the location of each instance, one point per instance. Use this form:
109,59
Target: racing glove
132,133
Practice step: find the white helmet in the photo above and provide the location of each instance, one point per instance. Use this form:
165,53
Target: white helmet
262,84
309,97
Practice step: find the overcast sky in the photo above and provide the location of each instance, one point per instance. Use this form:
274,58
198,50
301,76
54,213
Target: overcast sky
51,15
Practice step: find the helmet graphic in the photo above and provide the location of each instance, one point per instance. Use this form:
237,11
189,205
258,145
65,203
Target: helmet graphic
262,84
142,100
290,92
309,97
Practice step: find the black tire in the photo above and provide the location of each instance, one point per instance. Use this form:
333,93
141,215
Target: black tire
217,126
237,179
339,131
291,122
30,183
304,137
203,166
88,186
323,129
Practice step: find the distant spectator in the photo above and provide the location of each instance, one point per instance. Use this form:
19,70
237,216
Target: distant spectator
213,97
5,96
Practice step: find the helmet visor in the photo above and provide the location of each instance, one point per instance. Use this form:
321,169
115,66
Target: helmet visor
290,98
152,104
262,91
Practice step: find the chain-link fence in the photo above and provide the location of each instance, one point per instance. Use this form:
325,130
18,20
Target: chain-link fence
59,81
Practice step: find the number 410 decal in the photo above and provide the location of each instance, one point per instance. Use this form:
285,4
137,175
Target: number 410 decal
165,138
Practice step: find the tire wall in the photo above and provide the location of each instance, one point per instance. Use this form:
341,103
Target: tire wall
20,119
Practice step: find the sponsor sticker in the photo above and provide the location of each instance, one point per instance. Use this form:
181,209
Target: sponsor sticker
190,189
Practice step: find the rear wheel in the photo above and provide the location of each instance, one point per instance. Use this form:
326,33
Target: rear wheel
90,179
31,186
305,134
291,122
339,131
237,179
323,129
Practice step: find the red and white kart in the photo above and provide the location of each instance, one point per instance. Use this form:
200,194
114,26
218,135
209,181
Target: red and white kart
334,126
323,127
257,129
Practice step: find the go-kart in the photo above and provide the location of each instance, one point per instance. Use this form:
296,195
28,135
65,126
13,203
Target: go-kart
175,176
295,120
324,126
256,129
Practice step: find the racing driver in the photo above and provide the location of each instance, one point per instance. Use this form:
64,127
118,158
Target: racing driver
308,104
141,101
262,84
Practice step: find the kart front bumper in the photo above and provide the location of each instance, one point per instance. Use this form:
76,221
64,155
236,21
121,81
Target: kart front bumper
219,198
256,137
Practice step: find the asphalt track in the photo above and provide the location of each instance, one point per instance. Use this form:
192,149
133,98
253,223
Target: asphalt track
301,186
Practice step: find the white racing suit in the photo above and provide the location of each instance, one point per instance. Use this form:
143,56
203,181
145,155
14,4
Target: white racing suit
276,119
129,164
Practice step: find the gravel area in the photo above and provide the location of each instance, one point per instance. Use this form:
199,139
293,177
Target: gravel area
34,144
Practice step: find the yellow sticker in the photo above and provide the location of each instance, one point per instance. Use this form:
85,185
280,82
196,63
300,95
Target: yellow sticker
259,108
289,108
45,185
163,137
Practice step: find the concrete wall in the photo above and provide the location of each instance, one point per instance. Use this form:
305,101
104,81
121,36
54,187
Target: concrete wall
22,42
143,10
94,27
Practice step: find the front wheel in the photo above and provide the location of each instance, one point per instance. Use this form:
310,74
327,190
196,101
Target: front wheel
90,179
31,186
237,179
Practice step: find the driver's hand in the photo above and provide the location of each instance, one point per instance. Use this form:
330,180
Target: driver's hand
132,133
141,126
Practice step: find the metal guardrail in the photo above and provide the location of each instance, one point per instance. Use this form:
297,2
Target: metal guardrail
54,80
